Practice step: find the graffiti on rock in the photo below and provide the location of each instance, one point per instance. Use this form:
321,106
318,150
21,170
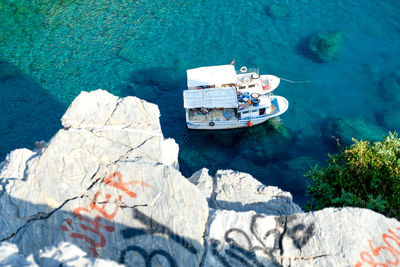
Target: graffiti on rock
241,250
92,230
390,251
149,257
153,228
300,233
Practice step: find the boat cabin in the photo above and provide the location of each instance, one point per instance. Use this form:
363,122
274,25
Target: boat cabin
249,114
211,77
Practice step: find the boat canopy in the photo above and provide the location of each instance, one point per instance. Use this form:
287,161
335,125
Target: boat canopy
210,98
213,75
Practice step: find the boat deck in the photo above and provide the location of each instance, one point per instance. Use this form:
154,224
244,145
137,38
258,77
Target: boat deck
213,115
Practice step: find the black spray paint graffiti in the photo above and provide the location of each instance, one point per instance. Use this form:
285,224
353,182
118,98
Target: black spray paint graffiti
241,251
153,227
148,257
300,234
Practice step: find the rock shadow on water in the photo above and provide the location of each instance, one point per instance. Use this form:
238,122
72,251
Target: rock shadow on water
292,176
234,148
266,142
303,49
211,149
163,87
29,112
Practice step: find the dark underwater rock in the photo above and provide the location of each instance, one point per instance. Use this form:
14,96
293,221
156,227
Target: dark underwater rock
391,87
276,11
391,120
358,128
326,46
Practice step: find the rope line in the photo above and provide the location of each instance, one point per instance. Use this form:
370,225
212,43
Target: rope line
317,81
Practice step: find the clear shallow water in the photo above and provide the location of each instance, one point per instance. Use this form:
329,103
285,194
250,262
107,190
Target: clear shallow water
52,50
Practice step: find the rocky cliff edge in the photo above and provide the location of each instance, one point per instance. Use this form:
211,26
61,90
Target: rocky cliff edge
106,191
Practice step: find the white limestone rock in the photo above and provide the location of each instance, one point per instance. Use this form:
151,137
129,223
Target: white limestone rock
87,111
15,164
10,256
67,254
64,254
12,173
243,239
142,209
169,153
340,237
330,237
203,181
104,134
241,192
102,110
69,162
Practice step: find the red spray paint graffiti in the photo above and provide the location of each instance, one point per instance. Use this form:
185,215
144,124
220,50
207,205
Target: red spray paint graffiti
392,248
94,225
121,185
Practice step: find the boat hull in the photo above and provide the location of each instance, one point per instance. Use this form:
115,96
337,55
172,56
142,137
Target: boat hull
281,103
221,125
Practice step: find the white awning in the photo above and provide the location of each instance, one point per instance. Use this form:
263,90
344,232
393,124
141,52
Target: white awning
210,98
214,75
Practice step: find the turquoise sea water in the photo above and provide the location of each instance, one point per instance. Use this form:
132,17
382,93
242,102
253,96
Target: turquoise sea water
50,50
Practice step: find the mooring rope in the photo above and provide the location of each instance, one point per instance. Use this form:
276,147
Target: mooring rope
316,81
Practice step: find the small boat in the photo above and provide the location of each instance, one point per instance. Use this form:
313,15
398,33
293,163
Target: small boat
219,97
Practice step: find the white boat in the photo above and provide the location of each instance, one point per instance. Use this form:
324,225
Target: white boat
218,97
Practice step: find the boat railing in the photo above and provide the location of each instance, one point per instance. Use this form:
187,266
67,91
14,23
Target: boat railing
248,70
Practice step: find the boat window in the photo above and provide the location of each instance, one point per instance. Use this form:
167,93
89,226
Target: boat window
252,85
242,87
246,112
262,111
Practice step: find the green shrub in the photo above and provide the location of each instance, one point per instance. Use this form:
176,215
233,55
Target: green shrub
362,175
